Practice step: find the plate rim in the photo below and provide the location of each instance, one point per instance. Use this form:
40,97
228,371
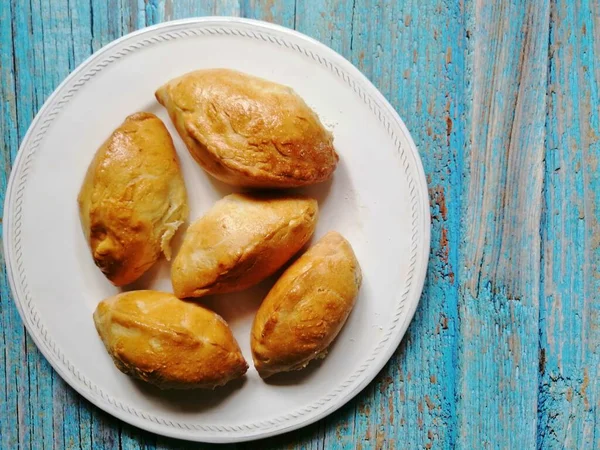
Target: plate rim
219,433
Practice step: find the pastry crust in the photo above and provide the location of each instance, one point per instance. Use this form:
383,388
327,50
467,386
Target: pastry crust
306,308
155,337
247,131
241,241
133,199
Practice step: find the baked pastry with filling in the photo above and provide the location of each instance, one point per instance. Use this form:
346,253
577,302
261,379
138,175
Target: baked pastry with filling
306,308
247,131
241,241
155,337
133,199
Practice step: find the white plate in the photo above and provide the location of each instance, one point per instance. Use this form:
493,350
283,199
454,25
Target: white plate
377,199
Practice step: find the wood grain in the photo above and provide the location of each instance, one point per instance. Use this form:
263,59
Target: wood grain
412,402
569,396
502,202
502,100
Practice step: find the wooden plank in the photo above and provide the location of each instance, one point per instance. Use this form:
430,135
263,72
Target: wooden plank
327,21
55,58
29,375
501,209
413,52
569,398
72,414
189,8
11,328
279,12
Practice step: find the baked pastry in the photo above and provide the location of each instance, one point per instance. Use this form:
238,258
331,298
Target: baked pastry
168,342
247,131
133,199
306,308
241,241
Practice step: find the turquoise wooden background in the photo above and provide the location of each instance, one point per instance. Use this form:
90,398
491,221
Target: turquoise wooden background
502,99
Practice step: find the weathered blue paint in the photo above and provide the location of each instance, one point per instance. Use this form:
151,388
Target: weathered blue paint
569,398
412,402
502,100
499,276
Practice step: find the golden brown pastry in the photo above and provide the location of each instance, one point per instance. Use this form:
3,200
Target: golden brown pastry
247,131
133,199
306,308
242,240
168,342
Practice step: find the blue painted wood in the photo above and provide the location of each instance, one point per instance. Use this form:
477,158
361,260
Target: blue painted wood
11,331
497,375
502,100
570,301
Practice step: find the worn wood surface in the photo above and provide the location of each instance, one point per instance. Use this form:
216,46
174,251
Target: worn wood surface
502,99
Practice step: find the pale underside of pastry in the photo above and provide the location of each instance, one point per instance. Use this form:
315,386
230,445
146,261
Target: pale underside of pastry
155,337
247,131
133,199
306,308
241,241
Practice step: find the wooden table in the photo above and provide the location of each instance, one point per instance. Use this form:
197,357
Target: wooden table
502,99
